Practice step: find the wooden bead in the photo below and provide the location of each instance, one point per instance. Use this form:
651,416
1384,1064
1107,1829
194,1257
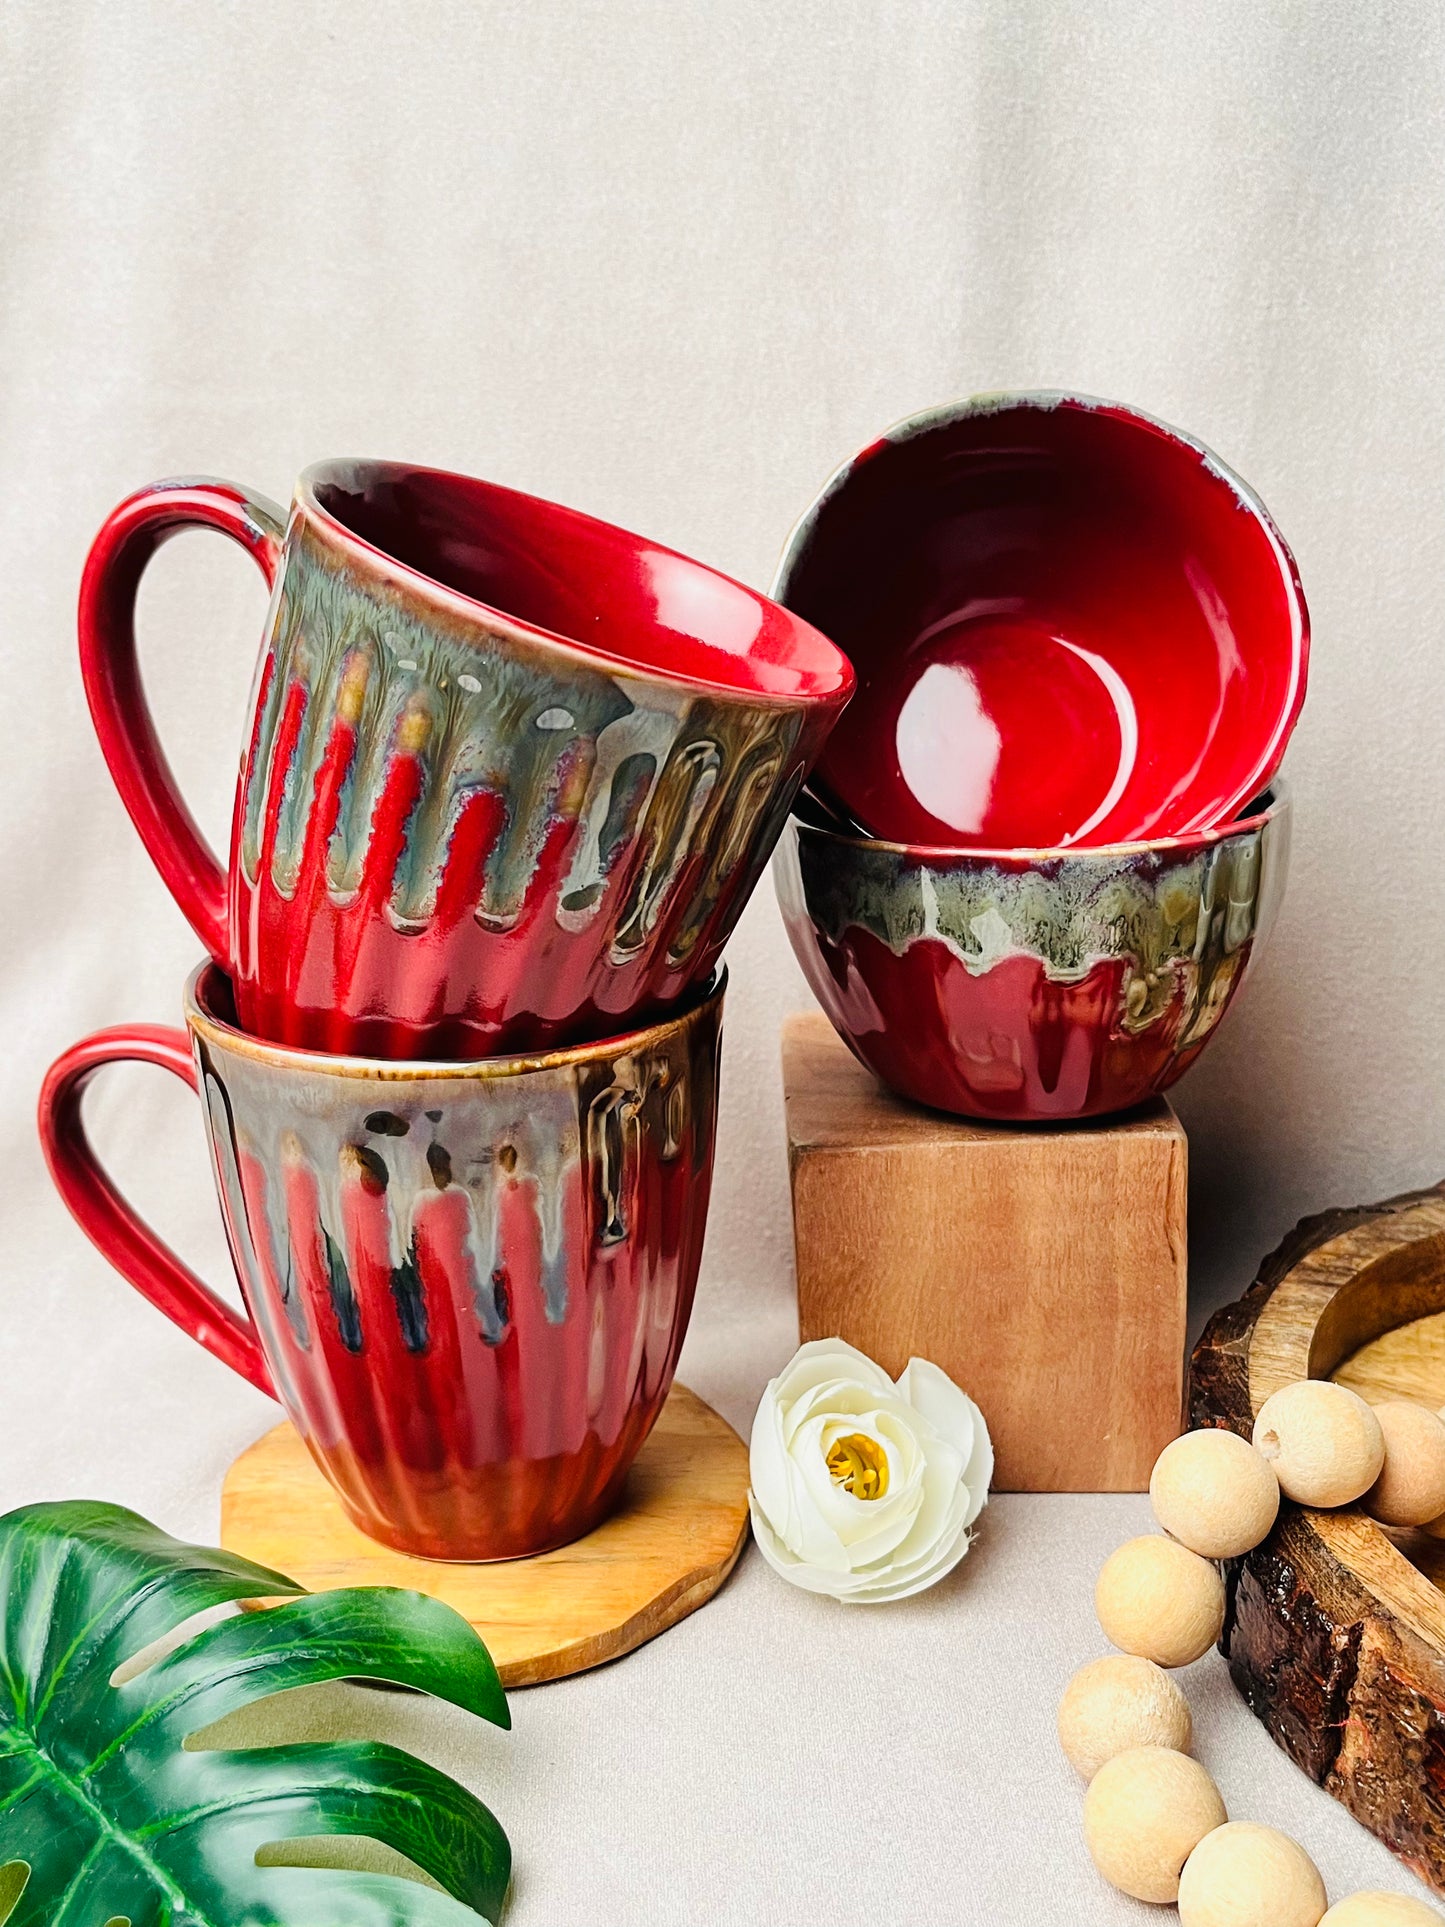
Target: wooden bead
1436,1530
1381,1910
1324,1442
1144,1814
1242,1875
1215,1494
1158,1600
1120,1702
1410,1491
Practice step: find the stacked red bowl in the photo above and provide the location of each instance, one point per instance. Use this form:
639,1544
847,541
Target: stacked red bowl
509,777
1041,849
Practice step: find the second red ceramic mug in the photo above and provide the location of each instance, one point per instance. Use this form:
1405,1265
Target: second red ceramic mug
468,1284
510,776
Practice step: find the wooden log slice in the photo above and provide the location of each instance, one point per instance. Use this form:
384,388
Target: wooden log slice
1335,1628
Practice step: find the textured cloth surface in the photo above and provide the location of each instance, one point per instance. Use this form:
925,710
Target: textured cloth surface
671,264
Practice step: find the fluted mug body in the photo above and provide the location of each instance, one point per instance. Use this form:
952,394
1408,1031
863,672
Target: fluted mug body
510,774
469,1282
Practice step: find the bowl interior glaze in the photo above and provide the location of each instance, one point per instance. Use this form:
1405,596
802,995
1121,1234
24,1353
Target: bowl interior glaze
1070,624
569,578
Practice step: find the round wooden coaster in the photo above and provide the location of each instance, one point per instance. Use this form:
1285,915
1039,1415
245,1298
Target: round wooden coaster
664,1553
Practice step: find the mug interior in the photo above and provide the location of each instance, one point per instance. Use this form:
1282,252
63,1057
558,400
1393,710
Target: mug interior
578,581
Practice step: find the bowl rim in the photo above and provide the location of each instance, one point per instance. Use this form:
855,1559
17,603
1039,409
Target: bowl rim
1264,807
822,691
924,421
222,1034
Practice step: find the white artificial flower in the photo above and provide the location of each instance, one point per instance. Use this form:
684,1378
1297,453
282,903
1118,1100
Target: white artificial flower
861,1487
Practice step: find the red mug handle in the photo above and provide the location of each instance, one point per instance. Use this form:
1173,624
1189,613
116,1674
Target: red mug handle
113,569
140,1257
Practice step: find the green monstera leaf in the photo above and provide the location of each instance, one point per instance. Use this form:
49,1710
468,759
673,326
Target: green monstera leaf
107,1817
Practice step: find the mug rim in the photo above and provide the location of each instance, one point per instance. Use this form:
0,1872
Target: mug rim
1274,801
203,1023
821,691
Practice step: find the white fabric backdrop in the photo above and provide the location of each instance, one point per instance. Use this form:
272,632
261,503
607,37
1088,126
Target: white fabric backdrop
670,264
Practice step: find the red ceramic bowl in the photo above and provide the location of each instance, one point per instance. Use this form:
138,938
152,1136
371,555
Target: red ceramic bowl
1032,986
1071,625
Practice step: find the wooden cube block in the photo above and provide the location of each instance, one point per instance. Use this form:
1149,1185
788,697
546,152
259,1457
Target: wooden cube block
1042,1266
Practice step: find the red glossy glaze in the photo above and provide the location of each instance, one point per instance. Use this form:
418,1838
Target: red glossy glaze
1032,989
132,1247
467,1284
510,776
109,665
1071,625
1019,1046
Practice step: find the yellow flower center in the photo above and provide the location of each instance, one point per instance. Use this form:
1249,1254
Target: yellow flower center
860,1466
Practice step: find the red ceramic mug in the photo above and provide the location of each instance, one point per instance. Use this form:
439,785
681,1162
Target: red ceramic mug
510,776
467,1283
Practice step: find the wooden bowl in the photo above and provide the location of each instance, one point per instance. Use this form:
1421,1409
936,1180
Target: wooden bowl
1335,1627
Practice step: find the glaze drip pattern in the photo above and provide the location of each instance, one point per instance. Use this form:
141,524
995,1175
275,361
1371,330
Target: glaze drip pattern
1033,987
471,1289
549,848
1163,915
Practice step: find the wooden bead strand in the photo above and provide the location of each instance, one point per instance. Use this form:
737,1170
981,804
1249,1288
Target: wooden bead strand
1154,1820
